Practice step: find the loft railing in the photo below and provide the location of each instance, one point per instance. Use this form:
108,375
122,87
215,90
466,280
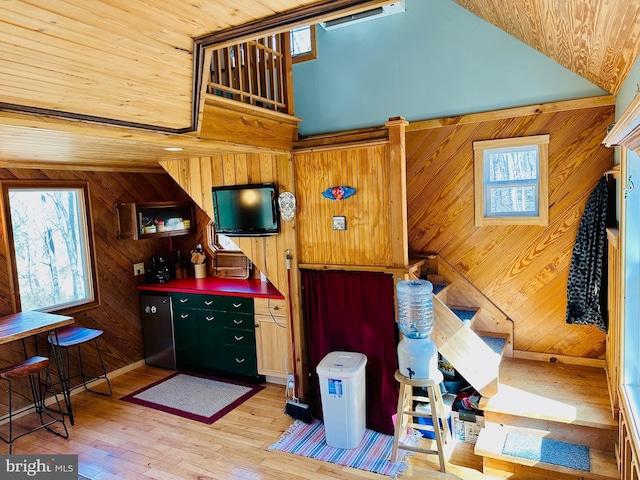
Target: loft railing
254,72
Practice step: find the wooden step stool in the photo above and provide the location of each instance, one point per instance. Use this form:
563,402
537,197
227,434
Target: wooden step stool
406,400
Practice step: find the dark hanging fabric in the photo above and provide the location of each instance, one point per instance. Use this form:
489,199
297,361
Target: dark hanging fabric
587,270
354,311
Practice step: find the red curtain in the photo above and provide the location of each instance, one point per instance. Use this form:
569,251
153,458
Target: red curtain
354,311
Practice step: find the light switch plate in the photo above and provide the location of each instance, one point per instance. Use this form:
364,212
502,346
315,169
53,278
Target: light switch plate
339,223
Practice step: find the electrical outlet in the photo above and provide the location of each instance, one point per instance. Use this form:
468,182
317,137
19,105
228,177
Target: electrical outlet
291,381
138,268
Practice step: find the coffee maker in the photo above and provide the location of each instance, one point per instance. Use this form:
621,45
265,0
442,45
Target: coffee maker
160,270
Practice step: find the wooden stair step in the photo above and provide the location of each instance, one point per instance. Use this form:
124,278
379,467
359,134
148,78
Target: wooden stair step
496,341
438,287
542,453
466,314
562,393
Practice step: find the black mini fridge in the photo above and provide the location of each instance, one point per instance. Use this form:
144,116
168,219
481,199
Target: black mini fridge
157,329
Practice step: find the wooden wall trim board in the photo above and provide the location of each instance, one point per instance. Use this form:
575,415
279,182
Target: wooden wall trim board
629,447
356,268
398,234
615,335
342,139
342,146
545,357
515,112
626,131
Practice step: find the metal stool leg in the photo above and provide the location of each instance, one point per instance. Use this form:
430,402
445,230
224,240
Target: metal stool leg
86,380
31,368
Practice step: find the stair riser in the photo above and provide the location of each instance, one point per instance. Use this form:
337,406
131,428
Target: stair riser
602,438
507,470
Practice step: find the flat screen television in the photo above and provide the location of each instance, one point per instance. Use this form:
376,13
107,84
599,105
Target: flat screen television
246,210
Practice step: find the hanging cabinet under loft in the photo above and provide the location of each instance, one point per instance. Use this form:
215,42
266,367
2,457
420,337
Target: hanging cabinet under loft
136,221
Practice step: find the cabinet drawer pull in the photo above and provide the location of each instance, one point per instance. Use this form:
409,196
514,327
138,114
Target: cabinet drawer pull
209,319
184,300
208,302
236,305
240,360
184,315
238,338
237,322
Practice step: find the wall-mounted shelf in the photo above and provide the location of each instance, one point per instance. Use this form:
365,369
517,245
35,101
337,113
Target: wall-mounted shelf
137,221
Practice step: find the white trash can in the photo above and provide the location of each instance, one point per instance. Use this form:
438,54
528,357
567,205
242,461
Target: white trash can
343,394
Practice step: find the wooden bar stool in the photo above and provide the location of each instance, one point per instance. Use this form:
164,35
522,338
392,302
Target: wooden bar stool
32,368
64,339
406,410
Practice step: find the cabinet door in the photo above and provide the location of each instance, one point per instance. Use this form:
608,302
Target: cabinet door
185,324
241,360
211,339
126,221
272,345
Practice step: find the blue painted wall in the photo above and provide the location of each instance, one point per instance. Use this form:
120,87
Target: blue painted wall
435,60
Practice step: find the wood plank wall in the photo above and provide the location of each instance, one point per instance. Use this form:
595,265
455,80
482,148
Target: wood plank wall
119,313
522,269
366,239
197,175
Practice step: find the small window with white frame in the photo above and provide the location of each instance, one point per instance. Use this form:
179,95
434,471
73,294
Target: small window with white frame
511,181
303,43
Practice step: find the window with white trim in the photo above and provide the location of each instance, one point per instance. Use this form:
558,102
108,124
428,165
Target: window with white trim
511,181
50,243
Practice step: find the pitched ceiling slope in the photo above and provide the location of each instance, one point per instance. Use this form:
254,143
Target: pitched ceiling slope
595,39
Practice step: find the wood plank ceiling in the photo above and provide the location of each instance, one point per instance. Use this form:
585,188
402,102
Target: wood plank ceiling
130,62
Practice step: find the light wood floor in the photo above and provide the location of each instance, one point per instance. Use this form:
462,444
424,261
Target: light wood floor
119,440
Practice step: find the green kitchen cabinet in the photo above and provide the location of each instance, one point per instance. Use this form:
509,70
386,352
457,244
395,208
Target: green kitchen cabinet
215,332
185,326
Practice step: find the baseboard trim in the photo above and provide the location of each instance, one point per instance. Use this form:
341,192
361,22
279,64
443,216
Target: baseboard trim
551,358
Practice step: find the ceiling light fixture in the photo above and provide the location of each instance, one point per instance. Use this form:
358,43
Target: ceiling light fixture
173,149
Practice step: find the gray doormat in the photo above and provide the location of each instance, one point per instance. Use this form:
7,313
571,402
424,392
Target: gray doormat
194,396
545,450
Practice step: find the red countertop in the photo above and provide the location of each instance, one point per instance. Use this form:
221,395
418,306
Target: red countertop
217,286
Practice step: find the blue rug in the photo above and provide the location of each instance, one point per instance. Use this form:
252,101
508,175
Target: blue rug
545,450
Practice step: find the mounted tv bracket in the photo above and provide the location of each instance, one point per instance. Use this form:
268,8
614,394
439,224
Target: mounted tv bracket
287,206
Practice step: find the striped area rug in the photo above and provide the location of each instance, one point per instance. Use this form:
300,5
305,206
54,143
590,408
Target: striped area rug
371,455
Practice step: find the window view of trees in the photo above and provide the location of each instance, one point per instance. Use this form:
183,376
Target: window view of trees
512,181
50,247
300,40
303,43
